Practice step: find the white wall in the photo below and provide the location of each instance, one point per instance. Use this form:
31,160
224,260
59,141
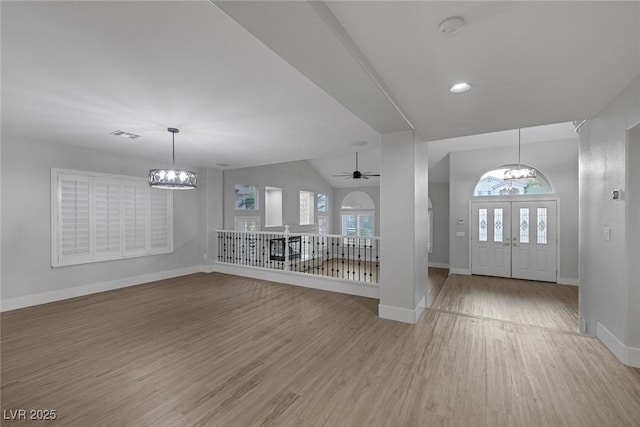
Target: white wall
340,193
439,195
559,162
292,177
608,293
633,221
26,221
403,227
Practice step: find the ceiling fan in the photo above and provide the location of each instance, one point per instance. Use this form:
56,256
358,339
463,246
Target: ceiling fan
356,174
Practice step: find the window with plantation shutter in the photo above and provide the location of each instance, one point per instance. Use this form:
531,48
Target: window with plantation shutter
159,220
73,217
135,218
99,217
106,208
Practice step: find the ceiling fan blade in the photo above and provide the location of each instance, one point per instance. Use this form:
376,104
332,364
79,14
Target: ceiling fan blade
364,177
342,174
373,174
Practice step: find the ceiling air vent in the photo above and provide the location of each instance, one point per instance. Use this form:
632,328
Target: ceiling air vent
124,134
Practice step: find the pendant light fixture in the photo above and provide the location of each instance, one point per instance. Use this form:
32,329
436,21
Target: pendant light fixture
173,179
519,173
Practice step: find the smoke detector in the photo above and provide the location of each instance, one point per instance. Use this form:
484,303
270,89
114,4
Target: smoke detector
451,26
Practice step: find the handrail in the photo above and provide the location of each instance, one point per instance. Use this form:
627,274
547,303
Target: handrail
293,233
333,255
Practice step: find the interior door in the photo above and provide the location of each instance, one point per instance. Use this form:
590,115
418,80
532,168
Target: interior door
491,239
534,239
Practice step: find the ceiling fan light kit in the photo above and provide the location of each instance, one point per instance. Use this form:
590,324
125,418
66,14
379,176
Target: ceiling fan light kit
356,174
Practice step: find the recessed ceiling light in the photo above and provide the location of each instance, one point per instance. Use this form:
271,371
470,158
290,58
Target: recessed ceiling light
223,165
359,143
460,87
124,134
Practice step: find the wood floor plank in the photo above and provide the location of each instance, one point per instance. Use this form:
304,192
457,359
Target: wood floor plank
532,303
220,350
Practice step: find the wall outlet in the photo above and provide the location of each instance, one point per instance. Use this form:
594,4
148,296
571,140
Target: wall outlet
204,256
459,233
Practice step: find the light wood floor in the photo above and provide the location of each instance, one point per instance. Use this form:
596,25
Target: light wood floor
531,303
437,278
227,351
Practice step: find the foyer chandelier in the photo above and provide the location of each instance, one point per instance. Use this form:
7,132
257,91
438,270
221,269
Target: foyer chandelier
519,173
173,179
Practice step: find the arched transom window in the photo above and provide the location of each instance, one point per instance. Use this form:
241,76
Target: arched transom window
493,183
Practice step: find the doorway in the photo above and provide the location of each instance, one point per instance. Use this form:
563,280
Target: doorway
515,239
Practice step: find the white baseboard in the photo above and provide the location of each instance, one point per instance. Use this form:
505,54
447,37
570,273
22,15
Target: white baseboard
628,355
568,281
402,314
332,284
463,271
78,291
438,265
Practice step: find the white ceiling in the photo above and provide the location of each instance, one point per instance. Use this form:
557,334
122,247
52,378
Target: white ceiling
529,62
277,81
368,161
72,72
369,158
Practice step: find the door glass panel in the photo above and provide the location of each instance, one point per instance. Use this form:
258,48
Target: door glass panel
524,225
483,225
497,225
542,226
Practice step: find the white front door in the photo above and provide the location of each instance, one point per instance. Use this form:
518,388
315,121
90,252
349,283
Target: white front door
534,238
514,239
491,239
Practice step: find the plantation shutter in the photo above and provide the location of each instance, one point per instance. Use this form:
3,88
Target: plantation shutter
135,218
106,216
159,220
73,218
99,217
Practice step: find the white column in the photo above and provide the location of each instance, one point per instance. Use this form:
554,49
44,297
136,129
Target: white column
404,204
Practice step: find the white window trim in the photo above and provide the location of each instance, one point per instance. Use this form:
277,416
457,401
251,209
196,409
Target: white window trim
56,198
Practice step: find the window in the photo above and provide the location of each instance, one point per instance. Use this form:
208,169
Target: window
306,207
99,217
542,226
357,216
321,203
247,223
323,224
246,197
358,224
482,225
493,184
524,225
273,206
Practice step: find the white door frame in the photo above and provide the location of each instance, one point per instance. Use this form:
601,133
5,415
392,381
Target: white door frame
528,198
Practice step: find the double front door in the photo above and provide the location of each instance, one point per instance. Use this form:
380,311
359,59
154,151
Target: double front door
514,239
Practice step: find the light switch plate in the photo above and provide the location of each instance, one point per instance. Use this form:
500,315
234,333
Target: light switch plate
460,233
606,234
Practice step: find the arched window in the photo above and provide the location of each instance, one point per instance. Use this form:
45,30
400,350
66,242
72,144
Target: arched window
357,215
493,183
